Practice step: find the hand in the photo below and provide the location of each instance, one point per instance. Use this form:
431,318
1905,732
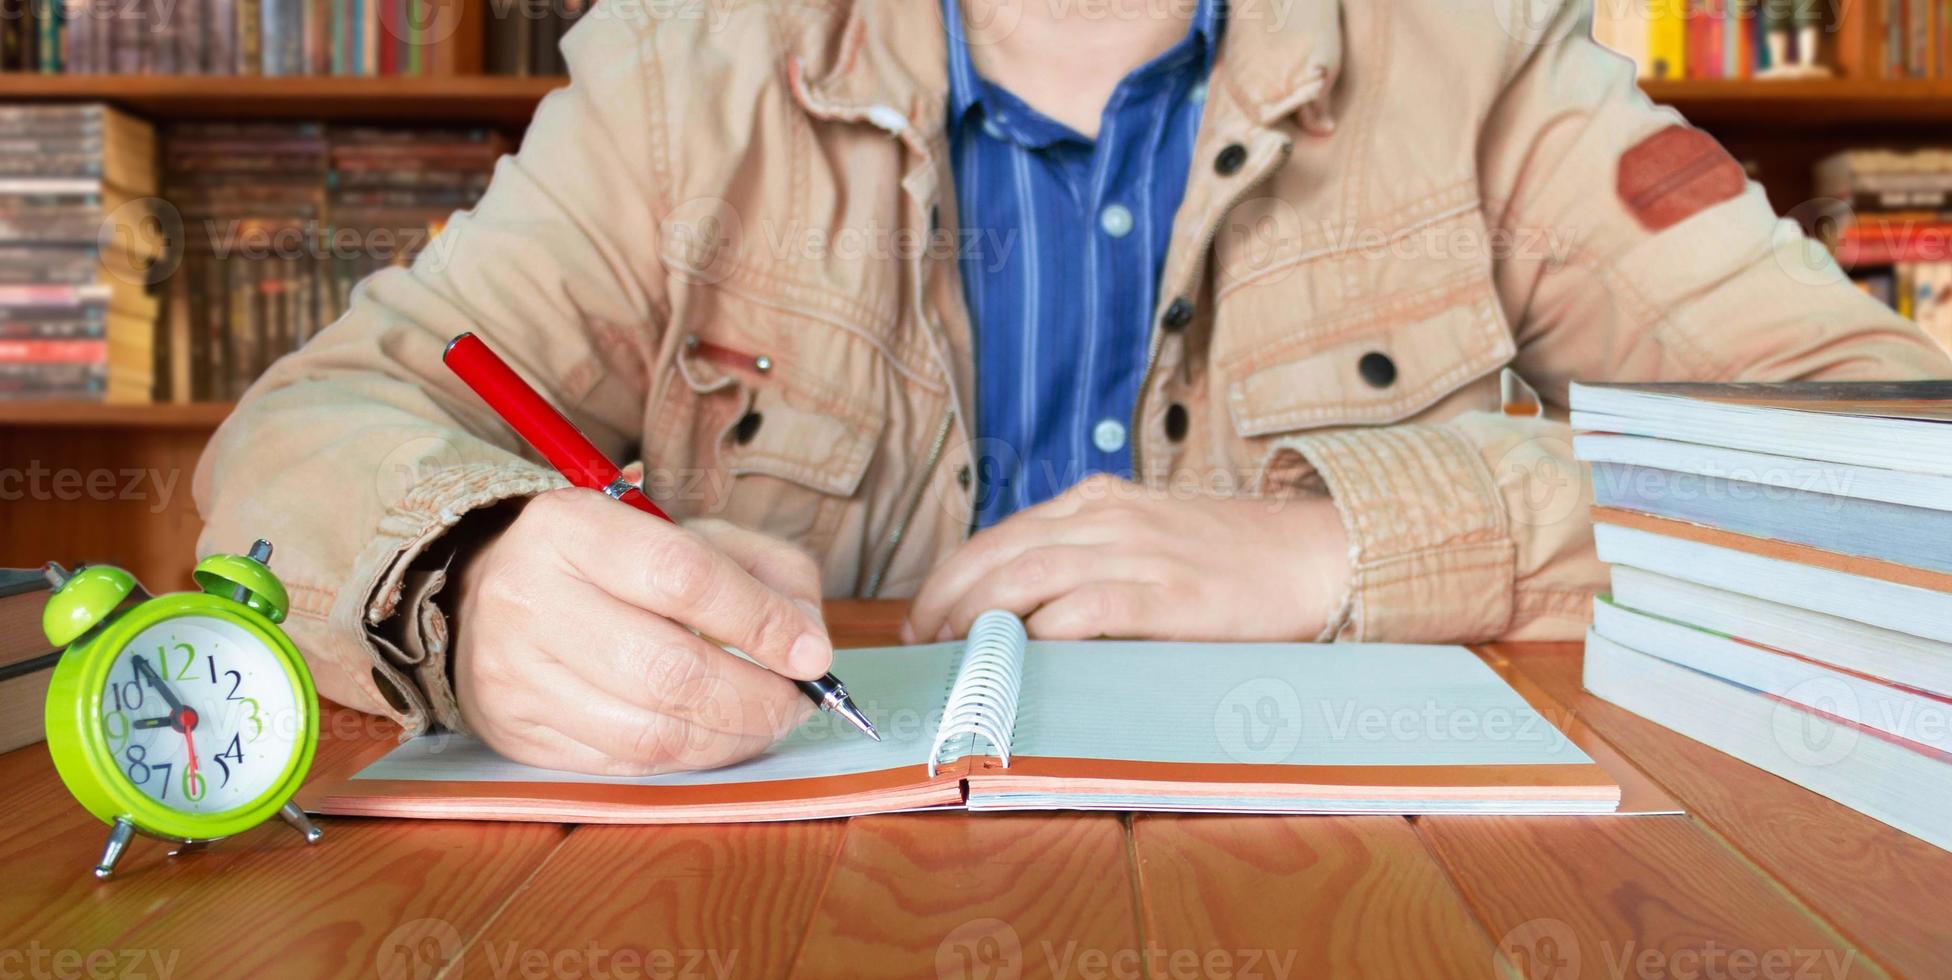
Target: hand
1111,558
571,649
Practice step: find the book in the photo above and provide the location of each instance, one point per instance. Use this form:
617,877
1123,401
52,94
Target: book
1868,771
1861,482
26,659
1001,722
1840,523
1893,597
1900,658
1896,425
1923,719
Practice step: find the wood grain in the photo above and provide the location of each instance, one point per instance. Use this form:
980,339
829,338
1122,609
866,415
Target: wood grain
984,897
1302,897
1865,877
371,897
701,901
1630,896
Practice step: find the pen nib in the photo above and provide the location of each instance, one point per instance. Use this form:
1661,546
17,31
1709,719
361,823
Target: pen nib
846,709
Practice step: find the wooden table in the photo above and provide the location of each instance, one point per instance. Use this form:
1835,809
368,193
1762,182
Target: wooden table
1760,880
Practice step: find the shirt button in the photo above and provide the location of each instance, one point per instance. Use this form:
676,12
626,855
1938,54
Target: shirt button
1116,220
992,130
1198,95
1377,369
1108,435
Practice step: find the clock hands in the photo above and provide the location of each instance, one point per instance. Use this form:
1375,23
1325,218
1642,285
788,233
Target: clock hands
180,717
149,673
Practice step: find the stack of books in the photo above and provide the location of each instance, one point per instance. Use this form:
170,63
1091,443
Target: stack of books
241,37
26,660
79,235
1896,232
1782,579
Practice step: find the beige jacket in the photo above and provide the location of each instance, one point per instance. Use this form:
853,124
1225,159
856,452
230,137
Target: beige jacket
1431,191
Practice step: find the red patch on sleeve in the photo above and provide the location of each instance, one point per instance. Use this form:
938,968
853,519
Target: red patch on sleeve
1675,173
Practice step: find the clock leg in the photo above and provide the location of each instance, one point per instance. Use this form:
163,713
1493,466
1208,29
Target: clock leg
118,841
296,817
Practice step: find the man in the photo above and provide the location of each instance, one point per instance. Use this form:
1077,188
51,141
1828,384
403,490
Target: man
852,282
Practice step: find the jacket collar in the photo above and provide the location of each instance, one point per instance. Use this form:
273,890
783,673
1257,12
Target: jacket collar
887,64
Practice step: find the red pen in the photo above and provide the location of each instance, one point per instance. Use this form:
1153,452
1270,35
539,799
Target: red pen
581,463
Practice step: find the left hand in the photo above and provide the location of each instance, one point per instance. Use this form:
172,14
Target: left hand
1111,558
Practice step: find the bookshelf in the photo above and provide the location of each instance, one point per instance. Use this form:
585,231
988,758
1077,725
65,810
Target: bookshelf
1779,129
457,99
95,415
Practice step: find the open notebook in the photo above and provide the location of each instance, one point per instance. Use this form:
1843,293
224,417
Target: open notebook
999,722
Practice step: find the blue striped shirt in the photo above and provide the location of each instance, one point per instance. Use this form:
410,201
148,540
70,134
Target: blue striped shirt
1066,238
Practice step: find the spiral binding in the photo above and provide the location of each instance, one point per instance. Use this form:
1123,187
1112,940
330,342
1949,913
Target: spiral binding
983,701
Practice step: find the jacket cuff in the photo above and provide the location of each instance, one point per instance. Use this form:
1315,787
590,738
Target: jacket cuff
404,631
1431,556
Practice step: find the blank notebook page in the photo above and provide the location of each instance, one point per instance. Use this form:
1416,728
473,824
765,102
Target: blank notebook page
1278,704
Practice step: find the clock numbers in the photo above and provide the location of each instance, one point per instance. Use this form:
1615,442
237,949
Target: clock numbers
189,659
235,753
115,725
181,705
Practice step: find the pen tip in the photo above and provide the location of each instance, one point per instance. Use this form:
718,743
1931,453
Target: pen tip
874,735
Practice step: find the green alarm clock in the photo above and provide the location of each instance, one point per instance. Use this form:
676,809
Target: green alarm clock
187,717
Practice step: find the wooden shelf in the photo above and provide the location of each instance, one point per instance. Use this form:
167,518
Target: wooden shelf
496,100
58,414
1792,107
473,99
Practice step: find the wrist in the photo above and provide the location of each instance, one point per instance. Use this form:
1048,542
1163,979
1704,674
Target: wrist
1322,540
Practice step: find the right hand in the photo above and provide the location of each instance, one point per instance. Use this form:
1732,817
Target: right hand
571,649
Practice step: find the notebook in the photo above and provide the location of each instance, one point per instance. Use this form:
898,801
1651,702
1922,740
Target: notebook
1000,722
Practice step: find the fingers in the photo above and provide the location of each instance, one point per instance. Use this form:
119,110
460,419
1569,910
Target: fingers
666,569
1042,575
587,728
1100,609
1070,520
653,664
777,564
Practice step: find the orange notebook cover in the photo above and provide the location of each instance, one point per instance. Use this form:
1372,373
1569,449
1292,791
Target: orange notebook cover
1001,722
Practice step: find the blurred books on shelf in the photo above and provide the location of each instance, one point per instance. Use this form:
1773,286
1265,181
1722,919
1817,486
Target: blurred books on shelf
1893,228
524,36
281,221
1671,40
78,238
113,288
1782,579
241,37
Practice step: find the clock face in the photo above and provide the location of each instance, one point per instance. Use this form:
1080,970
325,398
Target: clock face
199,715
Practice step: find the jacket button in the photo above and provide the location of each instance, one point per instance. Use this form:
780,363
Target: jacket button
747,428
963,477
1178,314
1176,422
1377,369
1230,160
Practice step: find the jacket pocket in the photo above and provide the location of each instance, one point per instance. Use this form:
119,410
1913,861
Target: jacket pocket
1384,365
